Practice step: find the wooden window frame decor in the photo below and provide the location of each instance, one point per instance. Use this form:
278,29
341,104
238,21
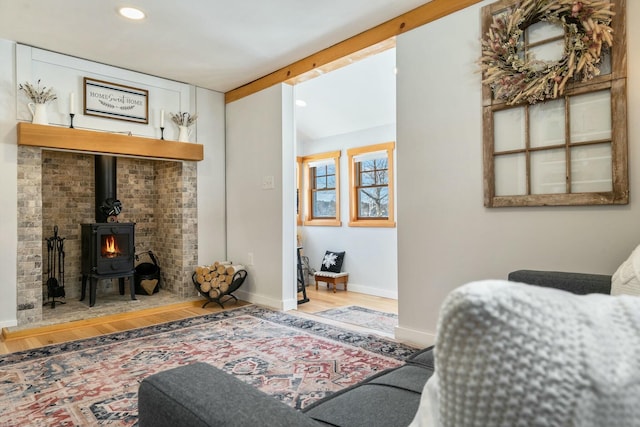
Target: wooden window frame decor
308,162
354,186
546,141
115,101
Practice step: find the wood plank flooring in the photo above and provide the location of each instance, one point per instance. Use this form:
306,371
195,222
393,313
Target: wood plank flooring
320,300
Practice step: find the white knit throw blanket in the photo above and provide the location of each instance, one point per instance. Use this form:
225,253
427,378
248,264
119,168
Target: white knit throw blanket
511,354
626,280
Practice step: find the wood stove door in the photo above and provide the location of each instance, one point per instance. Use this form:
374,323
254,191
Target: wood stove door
115,249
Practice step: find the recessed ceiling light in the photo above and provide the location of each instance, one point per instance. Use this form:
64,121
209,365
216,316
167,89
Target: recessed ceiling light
301,103
131,13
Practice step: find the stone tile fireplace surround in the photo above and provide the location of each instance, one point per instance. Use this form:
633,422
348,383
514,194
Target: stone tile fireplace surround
57,188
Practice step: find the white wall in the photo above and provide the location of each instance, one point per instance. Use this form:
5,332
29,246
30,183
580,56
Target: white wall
8,189
445,236
212,227
262,221
65,74
371,252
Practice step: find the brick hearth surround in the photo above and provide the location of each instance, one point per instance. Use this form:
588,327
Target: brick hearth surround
57,188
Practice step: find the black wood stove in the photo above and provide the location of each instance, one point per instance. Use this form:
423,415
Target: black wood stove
108,253
108,247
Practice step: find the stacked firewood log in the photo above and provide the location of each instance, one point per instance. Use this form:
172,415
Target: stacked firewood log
215,279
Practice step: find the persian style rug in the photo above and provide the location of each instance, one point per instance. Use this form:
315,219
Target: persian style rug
95,381
361,316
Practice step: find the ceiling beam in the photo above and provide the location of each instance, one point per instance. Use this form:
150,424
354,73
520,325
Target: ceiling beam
344,61
415,18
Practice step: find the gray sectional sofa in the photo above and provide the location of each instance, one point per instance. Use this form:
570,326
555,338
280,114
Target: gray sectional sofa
577,283
190,396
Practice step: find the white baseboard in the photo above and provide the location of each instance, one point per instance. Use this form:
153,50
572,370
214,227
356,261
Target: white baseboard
274,304
413,337
291,304
368,290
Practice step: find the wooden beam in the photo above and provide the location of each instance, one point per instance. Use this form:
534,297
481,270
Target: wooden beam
415,18
106,143
344,61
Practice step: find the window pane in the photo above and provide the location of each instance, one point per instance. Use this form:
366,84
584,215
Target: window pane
367,165
546,123
367,178
605,63
508,129
324,204
383,177
321,182
511,175
381,163
542,30
590,116
373,202
548,172
545,53
330,169
331,181
591,168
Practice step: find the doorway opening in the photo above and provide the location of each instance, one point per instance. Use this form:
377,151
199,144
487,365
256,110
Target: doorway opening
343,106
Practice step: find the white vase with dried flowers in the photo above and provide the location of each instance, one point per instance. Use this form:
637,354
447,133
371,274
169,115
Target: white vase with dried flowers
39,98
184,122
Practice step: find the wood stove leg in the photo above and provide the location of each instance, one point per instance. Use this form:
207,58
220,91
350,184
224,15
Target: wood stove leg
92,291
132,288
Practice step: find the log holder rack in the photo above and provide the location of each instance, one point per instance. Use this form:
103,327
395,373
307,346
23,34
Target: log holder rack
237,281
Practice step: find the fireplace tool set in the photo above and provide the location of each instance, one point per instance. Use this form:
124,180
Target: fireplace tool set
55,266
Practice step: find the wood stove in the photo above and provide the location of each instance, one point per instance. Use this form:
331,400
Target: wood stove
108,251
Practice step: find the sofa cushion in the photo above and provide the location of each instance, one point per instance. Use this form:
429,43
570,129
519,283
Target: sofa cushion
513,354
407,377
626,279
423,357
368,405
577,283
389,398
200,395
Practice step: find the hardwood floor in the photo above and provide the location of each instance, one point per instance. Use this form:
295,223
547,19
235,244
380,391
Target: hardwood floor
320,300
325,299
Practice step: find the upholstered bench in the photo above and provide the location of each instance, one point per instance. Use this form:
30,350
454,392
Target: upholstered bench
331,278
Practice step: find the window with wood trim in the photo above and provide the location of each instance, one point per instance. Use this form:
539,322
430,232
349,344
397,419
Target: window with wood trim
371,186
571,150
323,189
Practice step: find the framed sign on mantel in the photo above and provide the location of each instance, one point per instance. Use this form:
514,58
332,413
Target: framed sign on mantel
115,101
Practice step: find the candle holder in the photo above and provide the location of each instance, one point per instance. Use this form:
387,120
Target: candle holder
71,115
162,132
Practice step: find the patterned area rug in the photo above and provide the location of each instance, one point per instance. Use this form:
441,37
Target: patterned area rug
95,381
365,317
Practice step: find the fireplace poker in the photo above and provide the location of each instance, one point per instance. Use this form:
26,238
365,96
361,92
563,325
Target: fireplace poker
61,266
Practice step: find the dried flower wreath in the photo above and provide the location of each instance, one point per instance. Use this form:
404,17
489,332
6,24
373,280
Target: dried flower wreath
515,78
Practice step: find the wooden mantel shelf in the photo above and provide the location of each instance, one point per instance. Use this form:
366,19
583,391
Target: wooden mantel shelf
106,143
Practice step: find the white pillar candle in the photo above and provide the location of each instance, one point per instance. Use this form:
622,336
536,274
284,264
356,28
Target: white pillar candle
161,118
72,103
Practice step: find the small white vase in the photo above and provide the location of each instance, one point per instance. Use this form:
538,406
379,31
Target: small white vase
184,133
39,113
